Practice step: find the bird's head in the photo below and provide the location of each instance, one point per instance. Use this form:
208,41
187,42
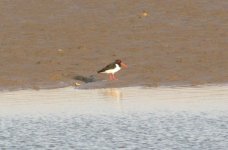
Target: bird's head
120,63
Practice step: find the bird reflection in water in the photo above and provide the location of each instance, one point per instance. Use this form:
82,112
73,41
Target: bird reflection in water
113,93
116,95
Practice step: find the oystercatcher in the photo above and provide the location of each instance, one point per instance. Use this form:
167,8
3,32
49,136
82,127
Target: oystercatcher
112,68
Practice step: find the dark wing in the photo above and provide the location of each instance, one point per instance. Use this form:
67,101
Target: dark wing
110,66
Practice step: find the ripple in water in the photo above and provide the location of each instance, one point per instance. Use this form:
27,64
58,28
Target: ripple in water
126,118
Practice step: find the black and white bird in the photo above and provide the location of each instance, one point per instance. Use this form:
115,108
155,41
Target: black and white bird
112,68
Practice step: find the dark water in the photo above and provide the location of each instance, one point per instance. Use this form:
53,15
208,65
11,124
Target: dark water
127,118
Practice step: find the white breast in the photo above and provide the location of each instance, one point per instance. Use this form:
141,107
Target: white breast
117,68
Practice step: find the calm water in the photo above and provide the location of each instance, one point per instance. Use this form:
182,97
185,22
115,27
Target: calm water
126,118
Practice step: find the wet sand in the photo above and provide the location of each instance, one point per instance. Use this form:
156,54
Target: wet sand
45,44
113,101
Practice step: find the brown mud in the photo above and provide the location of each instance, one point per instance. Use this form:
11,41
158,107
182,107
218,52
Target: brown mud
45,44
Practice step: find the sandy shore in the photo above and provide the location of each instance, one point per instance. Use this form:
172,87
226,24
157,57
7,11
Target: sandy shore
45,44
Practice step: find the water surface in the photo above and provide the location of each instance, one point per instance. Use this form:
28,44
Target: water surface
123,118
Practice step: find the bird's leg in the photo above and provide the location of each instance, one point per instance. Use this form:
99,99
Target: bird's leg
110,77
114,77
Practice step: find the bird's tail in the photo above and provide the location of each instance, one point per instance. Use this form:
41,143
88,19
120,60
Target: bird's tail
100,71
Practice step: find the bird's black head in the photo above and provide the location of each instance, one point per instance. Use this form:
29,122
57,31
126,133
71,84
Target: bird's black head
118,61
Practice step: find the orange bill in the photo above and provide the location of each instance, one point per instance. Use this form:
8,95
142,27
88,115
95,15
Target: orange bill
123,65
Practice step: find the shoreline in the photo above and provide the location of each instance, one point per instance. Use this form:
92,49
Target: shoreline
97,86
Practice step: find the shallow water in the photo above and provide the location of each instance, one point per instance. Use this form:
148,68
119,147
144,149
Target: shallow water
124,118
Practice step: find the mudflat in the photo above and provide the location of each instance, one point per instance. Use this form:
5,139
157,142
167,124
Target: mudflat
47,43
